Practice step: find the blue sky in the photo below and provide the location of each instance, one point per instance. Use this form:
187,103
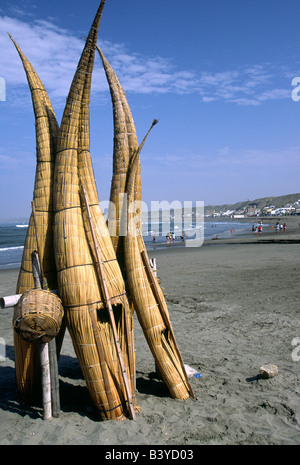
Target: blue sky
217,74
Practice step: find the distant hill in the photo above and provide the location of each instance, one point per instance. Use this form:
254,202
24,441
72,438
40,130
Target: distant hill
278,202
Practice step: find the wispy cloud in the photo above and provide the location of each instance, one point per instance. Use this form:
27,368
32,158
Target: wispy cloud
226,159
54,52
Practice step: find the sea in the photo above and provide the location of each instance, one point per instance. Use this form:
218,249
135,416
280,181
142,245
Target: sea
13,235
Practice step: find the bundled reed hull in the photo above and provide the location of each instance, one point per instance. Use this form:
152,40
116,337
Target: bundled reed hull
157,328
79,282
125,145
26,354
152,311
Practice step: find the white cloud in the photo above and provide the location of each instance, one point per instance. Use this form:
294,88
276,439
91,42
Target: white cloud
54,52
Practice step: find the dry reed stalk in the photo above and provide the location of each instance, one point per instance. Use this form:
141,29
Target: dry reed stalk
95,225
149,301
108,300
79,285
47,130
125,145
140,289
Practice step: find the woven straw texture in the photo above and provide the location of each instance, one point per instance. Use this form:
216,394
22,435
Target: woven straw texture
130,247
38,316
26,355
148,310
79,257
125,145
79,282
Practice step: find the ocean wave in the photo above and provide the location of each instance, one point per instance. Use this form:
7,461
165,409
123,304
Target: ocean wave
21,225
4,249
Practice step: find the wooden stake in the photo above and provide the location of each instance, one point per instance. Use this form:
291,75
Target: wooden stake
55,398
40,282
44,350
109,307
155,288
41,271
46,382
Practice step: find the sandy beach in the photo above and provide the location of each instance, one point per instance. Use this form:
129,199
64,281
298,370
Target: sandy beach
234,305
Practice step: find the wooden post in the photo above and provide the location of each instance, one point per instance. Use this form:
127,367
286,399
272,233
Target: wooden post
46,382
153,266
44,351
55,399
10,300
110,309
40,281
155,288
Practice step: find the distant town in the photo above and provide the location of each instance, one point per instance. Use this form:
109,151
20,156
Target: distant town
268,206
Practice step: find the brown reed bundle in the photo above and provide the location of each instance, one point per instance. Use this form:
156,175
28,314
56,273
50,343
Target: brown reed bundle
148,298
79,282
95,225
39,231
125,145
151,307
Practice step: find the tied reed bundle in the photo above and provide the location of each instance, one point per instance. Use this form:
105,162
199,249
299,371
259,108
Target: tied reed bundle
81,259
41,230
151,308
125,145
148,298
79,283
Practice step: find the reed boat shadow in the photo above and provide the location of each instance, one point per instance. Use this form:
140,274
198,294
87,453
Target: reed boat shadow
9,396
74,395
151,384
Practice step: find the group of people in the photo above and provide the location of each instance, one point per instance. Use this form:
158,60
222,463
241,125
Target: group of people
257,228
280,227
171,237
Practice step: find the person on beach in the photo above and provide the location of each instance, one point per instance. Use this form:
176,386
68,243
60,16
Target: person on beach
284,227
277,227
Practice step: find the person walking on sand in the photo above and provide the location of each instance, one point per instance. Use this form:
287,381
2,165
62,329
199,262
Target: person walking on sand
284,227
277,227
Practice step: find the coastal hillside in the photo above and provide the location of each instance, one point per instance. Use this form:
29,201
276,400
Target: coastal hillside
258,204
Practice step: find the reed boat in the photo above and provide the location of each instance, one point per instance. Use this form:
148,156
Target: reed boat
143,288
40,229
90,281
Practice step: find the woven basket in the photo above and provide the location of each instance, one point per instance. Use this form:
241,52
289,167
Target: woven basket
38,316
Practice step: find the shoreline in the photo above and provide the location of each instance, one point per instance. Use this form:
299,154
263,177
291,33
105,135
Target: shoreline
233,308
245,236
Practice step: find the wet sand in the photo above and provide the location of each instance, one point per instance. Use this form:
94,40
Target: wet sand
234,305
